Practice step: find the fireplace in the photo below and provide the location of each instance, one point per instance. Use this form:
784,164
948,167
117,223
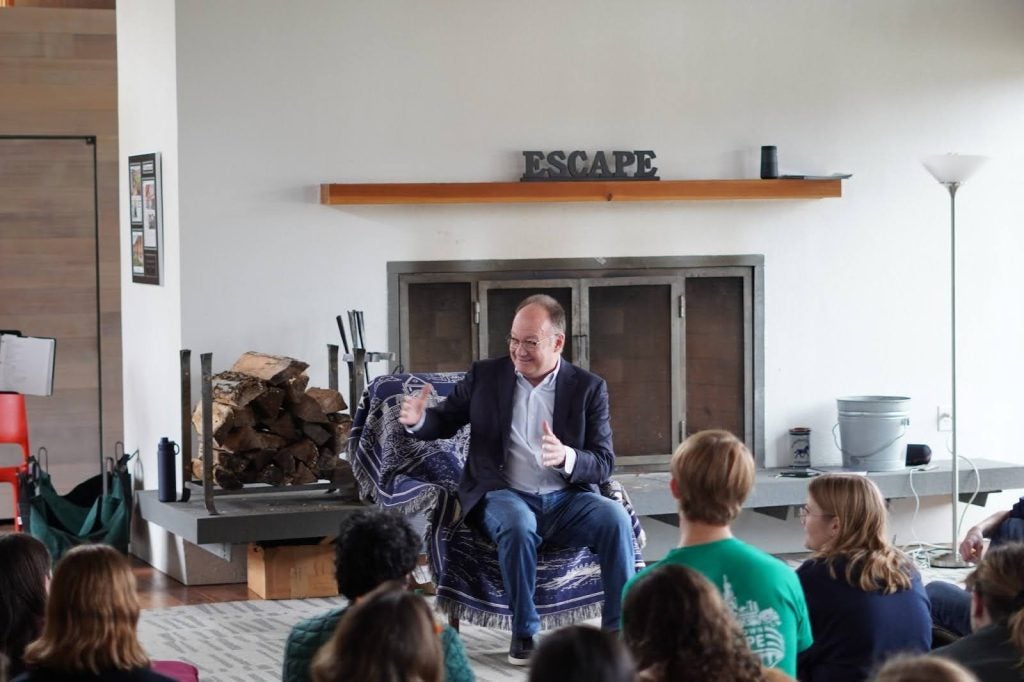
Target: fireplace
678,339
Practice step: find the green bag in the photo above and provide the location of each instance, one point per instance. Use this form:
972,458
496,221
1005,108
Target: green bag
85,515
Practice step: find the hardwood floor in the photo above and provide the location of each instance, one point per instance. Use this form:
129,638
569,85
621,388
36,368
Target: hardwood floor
158,590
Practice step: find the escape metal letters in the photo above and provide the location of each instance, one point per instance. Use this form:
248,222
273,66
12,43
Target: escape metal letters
557,165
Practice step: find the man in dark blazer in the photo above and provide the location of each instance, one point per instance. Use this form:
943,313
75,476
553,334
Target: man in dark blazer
540,442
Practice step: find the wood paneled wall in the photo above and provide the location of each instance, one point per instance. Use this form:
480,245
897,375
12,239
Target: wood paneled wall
58,76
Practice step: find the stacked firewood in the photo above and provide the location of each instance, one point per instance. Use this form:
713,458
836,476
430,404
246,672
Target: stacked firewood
270,427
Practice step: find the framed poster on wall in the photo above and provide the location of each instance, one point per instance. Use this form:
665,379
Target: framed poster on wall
145,217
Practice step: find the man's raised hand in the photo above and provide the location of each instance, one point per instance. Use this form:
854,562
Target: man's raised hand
972,545
552,452
413,406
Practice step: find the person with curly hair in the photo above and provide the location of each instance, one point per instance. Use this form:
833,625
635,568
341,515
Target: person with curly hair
90,628
582,653
678,629
24,579
389,636
995,648
373,547
865,596
712,474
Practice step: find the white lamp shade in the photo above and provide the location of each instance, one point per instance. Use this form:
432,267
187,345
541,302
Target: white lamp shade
948,168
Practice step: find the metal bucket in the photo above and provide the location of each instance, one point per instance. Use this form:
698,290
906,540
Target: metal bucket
873,431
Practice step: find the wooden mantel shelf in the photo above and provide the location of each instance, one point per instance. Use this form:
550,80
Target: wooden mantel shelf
532,192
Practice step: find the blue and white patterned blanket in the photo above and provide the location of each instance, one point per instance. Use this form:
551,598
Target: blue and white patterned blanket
398,472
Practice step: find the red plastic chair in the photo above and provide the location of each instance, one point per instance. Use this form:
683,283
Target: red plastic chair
14,429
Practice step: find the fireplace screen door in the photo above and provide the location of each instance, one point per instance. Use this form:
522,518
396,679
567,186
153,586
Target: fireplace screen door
676,348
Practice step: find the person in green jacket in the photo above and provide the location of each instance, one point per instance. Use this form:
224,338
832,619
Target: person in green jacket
373,547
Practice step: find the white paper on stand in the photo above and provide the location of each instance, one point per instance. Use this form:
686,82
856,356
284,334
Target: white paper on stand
26,364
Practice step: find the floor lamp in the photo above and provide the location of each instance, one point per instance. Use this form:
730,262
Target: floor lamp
952,170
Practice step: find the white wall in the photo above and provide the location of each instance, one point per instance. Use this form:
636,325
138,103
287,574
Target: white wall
274,98
148,122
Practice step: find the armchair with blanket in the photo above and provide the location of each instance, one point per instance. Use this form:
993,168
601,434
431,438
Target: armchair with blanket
397,472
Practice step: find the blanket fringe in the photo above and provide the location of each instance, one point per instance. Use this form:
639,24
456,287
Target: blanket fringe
498,621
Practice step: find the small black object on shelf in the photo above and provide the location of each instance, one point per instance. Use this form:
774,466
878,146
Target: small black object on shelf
769,162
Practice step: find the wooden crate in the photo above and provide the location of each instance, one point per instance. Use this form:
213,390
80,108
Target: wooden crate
292,571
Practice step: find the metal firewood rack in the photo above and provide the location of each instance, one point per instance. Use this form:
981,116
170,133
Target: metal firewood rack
358,360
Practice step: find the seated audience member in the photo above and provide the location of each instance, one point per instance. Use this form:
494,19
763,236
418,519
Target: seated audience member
951,606
922,669
581,653
865,596
712,474
995,648
24,576
372,547
390,636
678,629
90,627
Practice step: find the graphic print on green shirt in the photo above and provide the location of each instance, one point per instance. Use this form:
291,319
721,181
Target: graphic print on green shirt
762,627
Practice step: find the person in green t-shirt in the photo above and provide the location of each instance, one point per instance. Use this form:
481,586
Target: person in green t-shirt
712,474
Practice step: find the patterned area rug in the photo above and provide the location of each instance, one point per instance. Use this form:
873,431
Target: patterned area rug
243,641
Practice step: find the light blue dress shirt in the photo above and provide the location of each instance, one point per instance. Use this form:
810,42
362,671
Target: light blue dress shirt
531,407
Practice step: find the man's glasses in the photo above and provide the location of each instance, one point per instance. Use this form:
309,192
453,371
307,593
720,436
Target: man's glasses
529,344
804,512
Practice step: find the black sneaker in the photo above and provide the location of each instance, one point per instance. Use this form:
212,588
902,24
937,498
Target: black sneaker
520,650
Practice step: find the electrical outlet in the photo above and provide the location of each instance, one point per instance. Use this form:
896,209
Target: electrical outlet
944,418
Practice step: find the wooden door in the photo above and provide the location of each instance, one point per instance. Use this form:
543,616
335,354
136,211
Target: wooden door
49,287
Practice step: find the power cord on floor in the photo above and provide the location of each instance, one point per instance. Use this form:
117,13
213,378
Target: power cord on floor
974,495
922,552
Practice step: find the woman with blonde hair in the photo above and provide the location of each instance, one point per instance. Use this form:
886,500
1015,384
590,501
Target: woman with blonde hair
679,629
389,636
995,648
90,627
864,596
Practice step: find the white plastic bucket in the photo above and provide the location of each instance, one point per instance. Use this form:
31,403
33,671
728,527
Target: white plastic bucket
873,431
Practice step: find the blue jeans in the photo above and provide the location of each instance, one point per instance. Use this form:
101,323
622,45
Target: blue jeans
951,606
519,522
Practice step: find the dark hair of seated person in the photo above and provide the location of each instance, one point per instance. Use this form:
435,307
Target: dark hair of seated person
373,547
999,582
922,668
389,636
679,630
24,569
581,653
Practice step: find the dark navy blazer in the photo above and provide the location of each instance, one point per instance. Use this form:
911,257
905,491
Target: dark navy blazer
484,398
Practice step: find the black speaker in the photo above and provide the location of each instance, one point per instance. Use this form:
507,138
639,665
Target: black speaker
769,162
918,454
